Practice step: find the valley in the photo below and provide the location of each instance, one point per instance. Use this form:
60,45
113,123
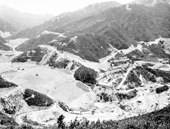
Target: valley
124,88
105,62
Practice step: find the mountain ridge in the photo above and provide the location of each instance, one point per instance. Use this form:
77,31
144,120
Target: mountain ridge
21,20
150,2
116,27
66,18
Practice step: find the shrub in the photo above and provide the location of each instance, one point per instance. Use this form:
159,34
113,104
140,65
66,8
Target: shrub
105,97
161,89
6,120
26,127
61,63
29,121
129,95
60,122
63,106
86,75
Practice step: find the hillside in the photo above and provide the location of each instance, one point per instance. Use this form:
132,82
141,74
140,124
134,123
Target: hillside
6,29
2,45
114,28
66,18
150,2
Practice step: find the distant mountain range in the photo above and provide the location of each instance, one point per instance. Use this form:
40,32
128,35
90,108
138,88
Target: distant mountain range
94,31
18,20
12,21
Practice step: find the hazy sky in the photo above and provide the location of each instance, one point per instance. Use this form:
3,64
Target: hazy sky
51,6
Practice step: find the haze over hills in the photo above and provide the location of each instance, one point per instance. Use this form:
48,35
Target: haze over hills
106,61
11,21
18,20
2,44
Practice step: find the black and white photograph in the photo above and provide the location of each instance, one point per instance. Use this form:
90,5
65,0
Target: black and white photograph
84,64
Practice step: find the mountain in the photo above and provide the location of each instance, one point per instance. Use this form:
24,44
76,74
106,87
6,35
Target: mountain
19,20
2,44
141,23
6,29
95,36
66,18
112,65
150,2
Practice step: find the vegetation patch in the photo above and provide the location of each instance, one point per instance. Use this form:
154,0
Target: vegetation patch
33,55
86,75
105,97
145,74
159,73
6,84
155,120
133,80
31,122
61,63
63,106
129,95
34,98
162,89
157,50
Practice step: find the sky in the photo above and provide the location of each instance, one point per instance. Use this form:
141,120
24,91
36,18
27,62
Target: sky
53,7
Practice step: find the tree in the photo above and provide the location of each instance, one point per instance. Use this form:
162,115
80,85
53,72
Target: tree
60,122
86,75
